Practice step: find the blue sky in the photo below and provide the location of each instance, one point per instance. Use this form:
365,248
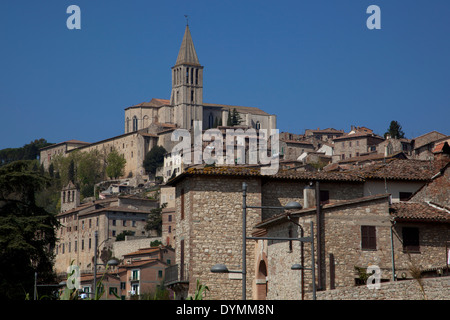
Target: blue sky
313,63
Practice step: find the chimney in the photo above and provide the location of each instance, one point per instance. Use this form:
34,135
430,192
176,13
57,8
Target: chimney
309,196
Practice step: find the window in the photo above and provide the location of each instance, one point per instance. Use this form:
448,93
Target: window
170,229
114,222
135,275
124,223
368,238
82,245
113,291
160,273
90,243
324,196
404,196
135,123
410,239
170,218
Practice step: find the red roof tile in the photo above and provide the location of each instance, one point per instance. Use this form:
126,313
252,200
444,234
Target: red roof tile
420,211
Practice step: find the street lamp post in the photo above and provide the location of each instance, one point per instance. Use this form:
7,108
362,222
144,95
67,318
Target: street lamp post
221,268
112,262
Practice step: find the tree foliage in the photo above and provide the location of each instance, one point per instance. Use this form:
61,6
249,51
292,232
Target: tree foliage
395,130
85,169
154,220
27,231
27,152
154,159
115,164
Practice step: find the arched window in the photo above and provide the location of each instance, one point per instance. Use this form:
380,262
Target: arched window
196,76
210,120
135,123
258,125
187,75
64,197
128,124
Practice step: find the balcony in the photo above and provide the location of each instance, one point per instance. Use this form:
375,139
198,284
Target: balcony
176,274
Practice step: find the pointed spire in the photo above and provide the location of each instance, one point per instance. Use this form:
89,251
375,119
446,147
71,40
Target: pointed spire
187,54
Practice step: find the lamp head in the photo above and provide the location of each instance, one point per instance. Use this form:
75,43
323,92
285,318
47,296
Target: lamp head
293,205
219,268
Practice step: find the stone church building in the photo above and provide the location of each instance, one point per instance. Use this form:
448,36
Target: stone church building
151,123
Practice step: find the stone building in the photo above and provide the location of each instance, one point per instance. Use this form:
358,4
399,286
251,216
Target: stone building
168,216
358,141
209,215
142,271
423,145
108,217
47,154
324,134
148,124
354,235
209,212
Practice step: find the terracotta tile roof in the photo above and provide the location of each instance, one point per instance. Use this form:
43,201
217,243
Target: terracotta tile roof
420,211
297,141
240,109
152,104
256,172
283,216
143,251
441,147
400,169
358,135
427,138
141,263
373,157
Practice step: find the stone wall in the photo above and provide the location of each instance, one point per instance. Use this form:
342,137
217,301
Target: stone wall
437,191
433,289
212,232
131,244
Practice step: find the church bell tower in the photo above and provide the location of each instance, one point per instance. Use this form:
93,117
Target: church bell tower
187,85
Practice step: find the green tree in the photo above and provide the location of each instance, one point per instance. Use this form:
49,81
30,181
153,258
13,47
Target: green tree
229,120
121,236
154,159
154,220
87,169
115,164
27,152
27,231
395,130
71,171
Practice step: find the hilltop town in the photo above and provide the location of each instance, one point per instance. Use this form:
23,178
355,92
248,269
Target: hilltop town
361,200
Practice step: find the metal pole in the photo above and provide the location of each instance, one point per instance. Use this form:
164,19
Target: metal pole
392,251
35,286
244,240
95,264
313,267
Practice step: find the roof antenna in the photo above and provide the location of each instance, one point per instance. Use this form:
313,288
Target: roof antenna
187,19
